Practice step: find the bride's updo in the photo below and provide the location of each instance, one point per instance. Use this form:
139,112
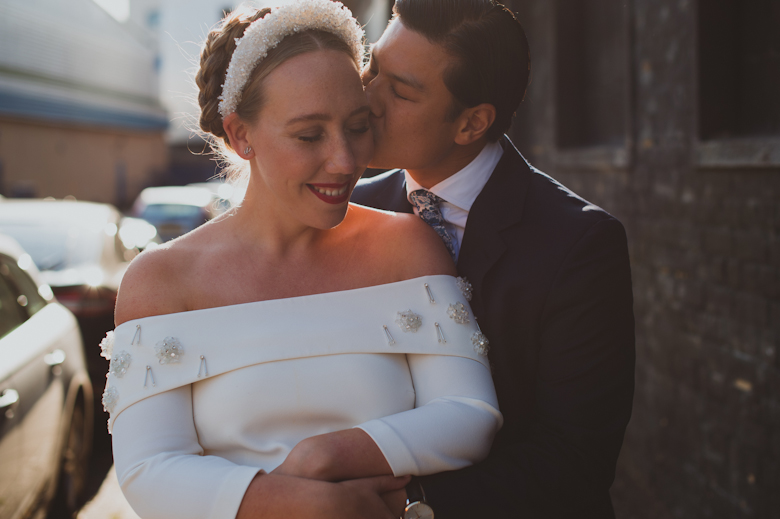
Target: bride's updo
214,61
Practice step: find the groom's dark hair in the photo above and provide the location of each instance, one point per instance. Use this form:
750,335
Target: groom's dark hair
491,57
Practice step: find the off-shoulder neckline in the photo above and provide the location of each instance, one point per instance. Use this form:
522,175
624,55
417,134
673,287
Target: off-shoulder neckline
287,299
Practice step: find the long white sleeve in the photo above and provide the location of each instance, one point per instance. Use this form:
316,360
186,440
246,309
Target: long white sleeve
454,421
161,467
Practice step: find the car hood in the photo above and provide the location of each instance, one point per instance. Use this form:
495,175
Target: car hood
88,274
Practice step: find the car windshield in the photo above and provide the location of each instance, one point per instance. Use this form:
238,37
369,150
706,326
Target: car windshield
57,247
159,212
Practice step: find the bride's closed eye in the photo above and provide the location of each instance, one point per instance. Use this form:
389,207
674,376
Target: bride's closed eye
361,130
357,130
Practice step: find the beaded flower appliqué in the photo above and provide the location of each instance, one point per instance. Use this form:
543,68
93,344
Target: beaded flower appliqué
110,398
409,321
481,343
465,287
119,364
458,313
107,346
169,350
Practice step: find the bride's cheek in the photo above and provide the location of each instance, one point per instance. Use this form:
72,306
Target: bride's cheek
366,147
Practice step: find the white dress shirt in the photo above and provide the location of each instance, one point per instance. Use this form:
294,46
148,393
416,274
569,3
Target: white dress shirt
461,190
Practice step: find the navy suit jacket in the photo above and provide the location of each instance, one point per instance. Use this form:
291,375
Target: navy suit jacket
552,291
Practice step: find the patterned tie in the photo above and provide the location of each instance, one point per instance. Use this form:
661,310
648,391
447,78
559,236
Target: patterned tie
427,205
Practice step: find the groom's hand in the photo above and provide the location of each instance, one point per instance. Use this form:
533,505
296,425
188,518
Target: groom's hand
335,456
395,501
380,497
272,496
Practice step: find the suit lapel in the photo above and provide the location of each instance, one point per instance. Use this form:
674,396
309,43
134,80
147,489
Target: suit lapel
498,207
398,201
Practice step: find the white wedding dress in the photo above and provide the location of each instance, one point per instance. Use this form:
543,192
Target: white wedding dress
202,401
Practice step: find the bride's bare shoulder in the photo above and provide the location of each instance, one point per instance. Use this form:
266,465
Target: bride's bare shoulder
152,284
407,242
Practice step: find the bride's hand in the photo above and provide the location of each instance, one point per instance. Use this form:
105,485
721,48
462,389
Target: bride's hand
272,496
336,456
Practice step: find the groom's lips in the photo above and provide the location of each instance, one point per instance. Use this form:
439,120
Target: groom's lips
332,198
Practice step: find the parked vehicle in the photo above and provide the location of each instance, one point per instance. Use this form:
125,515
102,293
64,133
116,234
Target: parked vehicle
138,235
175,210
80,254
46,402
225,195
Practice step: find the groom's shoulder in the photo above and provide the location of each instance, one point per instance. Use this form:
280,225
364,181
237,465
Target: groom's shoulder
549,209
548,195
544,198
369,191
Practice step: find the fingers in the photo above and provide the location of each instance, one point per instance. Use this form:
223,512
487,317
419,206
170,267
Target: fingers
395,501
362,498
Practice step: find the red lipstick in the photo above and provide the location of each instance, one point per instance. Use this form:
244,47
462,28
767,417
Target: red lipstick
328,193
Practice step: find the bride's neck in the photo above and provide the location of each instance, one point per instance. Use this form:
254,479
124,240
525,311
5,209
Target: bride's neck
266,228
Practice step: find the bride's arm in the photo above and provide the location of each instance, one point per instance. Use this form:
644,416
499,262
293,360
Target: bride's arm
161,465
164,473
452,426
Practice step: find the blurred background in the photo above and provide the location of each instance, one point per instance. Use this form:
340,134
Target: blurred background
663,112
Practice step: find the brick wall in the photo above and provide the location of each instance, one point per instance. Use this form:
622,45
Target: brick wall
703,222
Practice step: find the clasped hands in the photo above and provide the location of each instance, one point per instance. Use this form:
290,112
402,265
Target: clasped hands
340,475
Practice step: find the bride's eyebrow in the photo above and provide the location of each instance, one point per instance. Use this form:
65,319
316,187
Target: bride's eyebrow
318,116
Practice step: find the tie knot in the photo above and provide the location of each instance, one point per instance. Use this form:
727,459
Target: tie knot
427,205
424,199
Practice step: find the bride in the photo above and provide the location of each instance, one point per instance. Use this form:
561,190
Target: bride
294,355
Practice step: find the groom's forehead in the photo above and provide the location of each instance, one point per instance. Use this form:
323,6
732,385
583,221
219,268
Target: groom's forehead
409,53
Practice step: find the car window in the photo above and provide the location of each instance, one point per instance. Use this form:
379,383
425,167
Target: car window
158,212
28,296
56,246
11,314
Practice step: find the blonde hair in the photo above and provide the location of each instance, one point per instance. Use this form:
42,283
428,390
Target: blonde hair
214,60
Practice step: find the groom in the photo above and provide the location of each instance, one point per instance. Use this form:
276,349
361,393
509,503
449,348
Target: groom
550,271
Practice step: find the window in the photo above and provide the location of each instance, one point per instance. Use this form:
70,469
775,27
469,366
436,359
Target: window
592,89
739,68
26,290
11,314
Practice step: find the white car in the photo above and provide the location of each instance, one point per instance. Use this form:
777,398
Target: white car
46,395
79,249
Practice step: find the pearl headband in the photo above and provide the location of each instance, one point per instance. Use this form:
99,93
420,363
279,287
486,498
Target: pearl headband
267,32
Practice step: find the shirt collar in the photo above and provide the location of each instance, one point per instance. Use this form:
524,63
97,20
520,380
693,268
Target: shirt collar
462,188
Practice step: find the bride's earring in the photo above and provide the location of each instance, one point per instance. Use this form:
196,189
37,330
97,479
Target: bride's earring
247,150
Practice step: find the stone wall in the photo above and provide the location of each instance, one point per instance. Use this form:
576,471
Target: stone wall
703,222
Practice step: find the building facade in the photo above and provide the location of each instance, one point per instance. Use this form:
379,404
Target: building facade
79,101
666,114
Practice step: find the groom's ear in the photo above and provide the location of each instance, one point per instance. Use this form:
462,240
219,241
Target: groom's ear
474,123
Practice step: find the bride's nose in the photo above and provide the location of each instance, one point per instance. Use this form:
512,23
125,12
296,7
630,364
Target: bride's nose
341,158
